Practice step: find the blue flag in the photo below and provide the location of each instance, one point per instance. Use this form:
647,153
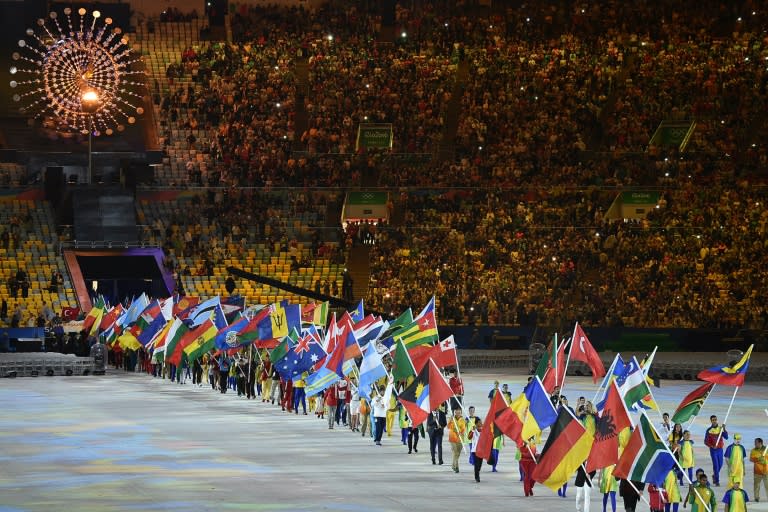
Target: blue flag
300,358
371,370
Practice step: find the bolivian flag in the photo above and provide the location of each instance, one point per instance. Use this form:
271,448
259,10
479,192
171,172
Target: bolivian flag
567,447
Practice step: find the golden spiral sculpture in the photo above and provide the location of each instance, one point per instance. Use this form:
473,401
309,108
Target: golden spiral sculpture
78,73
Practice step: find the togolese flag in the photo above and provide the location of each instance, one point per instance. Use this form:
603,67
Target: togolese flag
692,403
566,449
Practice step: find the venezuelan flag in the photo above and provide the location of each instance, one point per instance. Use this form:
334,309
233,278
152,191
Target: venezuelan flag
731,375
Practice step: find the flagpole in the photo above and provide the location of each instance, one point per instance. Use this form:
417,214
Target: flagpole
567,361
688,427
725,421
610,372
554,359
679,467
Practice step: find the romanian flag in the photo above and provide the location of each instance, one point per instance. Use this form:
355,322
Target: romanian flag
692,403
731,375
425,394
567,447
613,419
541,412
646,458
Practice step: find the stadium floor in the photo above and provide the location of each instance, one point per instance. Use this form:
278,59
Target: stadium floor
131,442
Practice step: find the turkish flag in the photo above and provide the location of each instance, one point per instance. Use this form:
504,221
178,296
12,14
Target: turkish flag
582,350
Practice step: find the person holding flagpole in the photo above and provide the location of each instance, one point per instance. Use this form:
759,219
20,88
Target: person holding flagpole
457,432
713,439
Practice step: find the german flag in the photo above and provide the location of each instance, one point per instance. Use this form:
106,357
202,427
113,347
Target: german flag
567,447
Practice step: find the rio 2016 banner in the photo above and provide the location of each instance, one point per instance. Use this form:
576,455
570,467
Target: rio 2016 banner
374,136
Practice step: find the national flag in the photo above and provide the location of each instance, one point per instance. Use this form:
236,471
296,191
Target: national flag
402,367
228,336
281,320
128,341
420,355
405,319
183,303
315,313
371,370
612,420
500,419
300,358
282,348
422,331
135,309
218,317
151,330
632,384
329,372
109,319
425,394
443,354
645,458
69,313
582,350
202,342
541,412
250,333
345,334
429,308
157,345
358,313
177,332
369,330
147,316
645,364
556,371
311,330
547,360
731,375
93,320
692,403
202,312
567,447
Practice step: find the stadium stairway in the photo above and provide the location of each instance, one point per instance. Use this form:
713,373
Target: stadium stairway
104,214
447,143
359,268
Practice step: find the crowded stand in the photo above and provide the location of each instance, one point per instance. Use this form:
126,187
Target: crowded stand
556,113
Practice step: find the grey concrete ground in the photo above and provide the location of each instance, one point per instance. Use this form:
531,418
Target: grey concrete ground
131,442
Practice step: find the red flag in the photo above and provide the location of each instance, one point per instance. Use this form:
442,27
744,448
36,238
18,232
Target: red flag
501,419
443,354
425,394
582,350
554,376
612,420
